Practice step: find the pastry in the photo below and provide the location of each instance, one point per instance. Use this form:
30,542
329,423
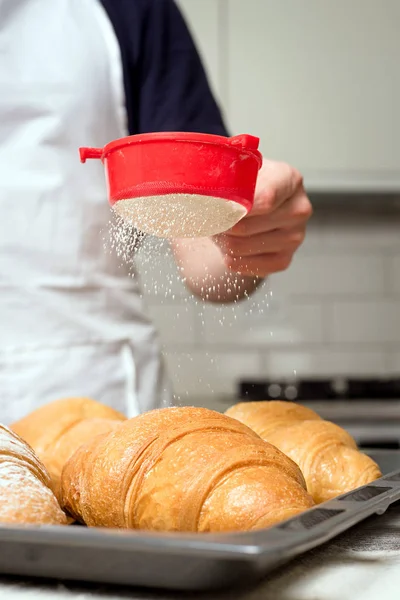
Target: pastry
182,469
326,454
57,429
25,487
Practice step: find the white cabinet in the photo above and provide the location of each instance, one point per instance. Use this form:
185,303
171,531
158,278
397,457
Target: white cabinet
317,80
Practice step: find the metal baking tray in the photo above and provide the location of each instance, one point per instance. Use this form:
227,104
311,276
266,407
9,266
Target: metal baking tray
185,561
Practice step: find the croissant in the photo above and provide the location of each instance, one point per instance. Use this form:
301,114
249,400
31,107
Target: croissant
25,494
266,417
326,454
57,429
182,469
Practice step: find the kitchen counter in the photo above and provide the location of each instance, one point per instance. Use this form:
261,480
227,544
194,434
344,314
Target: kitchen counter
363,564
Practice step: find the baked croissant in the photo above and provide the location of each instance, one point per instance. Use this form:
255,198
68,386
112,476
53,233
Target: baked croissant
25,494
57,429
266,417
326,454
182,469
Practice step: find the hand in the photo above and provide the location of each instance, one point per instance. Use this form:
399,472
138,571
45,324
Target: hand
266,239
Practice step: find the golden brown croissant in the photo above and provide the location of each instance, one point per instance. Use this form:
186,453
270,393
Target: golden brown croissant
57,429
25,494
182,469
266,417
326,454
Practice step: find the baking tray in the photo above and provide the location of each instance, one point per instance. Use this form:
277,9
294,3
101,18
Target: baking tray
185,561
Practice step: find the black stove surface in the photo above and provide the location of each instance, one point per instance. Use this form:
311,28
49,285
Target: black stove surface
337,388
369,409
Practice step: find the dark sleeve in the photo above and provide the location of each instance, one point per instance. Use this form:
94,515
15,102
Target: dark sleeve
174,92
166,87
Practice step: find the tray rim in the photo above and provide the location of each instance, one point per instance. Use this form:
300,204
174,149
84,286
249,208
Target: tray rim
253,544
185,561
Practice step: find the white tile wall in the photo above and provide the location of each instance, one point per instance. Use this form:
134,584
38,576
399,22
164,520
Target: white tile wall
326,360
258,323
336,311
394,272
208,372
362,232
394,363
363,320
332,274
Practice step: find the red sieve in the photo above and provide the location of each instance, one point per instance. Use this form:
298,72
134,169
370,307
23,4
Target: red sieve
180,184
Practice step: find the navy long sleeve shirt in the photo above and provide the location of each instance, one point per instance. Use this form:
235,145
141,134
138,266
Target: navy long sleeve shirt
166,87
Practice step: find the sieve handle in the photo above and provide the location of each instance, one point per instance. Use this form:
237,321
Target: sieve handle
86,153
248,142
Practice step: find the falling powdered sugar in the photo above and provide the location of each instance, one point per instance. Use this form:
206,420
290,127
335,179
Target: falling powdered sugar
122,238
235,314
145,256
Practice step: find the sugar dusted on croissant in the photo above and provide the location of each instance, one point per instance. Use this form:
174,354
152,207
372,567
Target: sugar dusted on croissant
182,469
326,454
25,494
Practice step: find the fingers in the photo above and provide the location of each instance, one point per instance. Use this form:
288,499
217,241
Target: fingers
275,184
280,240
295,211
261,265
264,241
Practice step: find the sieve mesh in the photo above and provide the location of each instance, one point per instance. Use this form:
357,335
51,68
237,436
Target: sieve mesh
180,215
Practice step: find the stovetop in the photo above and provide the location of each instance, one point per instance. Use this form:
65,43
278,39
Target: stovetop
368,408
335,389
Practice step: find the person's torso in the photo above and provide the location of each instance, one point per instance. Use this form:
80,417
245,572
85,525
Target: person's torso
61,289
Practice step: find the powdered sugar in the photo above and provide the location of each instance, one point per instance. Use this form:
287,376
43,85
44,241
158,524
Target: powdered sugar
25,495
180,215
11,445
122,237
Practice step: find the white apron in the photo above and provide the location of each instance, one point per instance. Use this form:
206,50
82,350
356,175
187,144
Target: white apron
71,318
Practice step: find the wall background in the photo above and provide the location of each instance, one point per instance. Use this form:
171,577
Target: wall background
336,311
